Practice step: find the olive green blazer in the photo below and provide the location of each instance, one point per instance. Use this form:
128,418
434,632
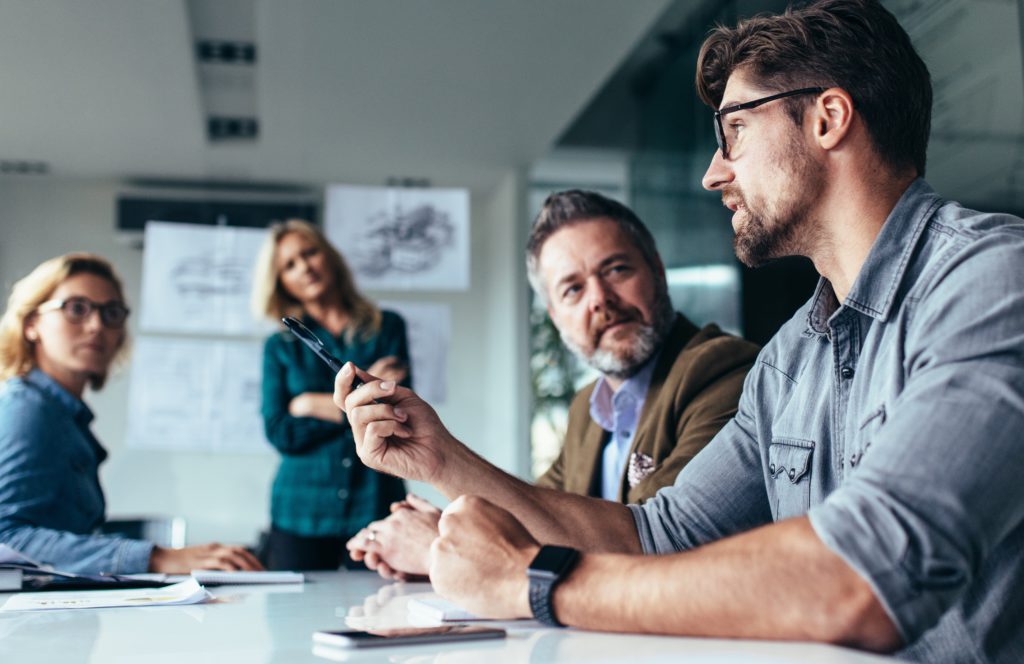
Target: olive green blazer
694,391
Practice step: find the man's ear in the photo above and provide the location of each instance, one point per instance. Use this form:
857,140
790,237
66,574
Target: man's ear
833,117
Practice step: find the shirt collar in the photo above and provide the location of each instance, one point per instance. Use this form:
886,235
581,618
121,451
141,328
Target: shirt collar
603,400
874,290
51,388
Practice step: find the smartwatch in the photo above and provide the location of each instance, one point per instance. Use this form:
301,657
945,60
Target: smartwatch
549,567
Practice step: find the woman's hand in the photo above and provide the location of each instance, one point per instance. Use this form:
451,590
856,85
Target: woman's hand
315,404
389,368
203,556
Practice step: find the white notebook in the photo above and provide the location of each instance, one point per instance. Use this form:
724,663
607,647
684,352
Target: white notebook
217,578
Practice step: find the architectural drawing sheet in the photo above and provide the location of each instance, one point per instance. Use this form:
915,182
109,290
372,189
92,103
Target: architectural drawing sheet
401,238
197,279
196,395
429,329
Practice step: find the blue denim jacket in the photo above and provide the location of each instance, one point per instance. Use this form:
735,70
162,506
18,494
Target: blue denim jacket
895,422
51,502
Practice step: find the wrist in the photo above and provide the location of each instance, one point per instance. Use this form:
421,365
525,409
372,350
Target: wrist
550,566
455,463
522,595
157,558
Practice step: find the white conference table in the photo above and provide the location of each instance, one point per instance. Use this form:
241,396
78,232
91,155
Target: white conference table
274,624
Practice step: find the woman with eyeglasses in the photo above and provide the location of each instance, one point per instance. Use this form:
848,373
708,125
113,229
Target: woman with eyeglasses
63,328
322,494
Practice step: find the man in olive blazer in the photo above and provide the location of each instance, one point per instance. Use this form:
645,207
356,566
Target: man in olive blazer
595,266
696,384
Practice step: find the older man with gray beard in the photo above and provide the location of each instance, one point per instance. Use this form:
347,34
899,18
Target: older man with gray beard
666,386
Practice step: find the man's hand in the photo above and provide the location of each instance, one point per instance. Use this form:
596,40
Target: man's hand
480,559
395,431
398,547
204,556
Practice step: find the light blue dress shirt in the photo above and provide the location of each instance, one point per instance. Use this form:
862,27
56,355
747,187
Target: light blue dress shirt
618,412
895,422
51,502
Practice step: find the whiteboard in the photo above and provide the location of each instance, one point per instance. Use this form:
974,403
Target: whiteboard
401,238
429,330
196,395
197,279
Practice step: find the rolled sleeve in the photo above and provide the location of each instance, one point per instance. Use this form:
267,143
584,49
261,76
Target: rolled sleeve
719,493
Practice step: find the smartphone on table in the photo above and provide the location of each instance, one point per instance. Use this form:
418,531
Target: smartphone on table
405,636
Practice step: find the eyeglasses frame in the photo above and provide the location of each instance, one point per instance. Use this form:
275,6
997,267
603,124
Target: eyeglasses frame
59,305
723,145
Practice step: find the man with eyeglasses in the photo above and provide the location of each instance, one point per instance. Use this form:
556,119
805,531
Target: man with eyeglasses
868,491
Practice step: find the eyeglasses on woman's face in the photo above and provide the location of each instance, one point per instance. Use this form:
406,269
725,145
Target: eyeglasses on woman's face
78,309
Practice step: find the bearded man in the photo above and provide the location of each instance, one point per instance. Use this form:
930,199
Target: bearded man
666,386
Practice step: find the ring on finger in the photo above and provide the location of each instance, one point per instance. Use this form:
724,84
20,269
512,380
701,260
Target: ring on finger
372,537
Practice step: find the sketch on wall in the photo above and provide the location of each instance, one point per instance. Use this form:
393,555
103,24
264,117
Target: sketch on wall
197,279
401,238
428,327
196,395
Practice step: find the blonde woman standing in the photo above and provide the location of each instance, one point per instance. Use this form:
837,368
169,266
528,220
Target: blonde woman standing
63,328
322,494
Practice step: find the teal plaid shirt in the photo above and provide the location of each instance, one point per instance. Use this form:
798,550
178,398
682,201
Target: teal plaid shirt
321,487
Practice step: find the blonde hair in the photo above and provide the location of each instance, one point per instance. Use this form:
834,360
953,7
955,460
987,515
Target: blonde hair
270,299
17,354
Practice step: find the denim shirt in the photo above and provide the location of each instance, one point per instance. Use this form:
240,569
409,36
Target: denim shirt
895,422
618,412
51,502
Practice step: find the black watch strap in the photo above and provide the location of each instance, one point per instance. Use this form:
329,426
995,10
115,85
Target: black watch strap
549,567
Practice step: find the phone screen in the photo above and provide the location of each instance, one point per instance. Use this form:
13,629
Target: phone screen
405,635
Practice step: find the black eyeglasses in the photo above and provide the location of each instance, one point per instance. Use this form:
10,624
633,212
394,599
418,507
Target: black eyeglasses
78,309
720,133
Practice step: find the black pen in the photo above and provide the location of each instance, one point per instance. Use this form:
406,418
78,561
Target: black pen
313,342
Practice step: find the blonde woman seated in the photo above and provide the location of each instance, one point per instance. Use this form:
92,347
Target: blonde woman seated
63,328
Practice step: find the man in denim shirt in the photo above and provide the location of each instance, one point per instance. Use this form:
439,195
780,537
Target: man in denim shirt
868,491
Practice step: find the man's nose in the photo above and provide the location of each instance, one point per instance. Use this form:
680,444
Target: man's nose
600,296
719,172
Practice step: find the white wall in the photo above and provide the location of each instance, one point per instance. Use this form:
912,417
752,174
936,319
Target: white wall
225,496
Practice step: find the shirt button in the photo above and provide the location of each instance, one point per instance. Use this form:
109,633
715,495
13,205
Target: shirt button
342,494
771,469
346,463
846,372
792,474
624,434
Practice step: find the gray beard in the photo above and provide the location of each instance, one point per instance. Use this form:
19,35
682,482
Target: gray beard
646,343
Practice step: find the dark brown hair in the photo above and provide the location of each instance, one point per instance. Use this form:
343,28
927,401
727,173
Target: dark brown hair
566,208
856,45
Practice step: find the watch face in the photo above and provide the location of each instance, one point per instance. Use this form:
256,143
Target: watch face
552,560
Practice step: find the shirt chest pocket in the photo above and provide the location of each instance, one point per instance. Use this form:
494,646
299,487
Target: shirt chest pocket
861,440
789,476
